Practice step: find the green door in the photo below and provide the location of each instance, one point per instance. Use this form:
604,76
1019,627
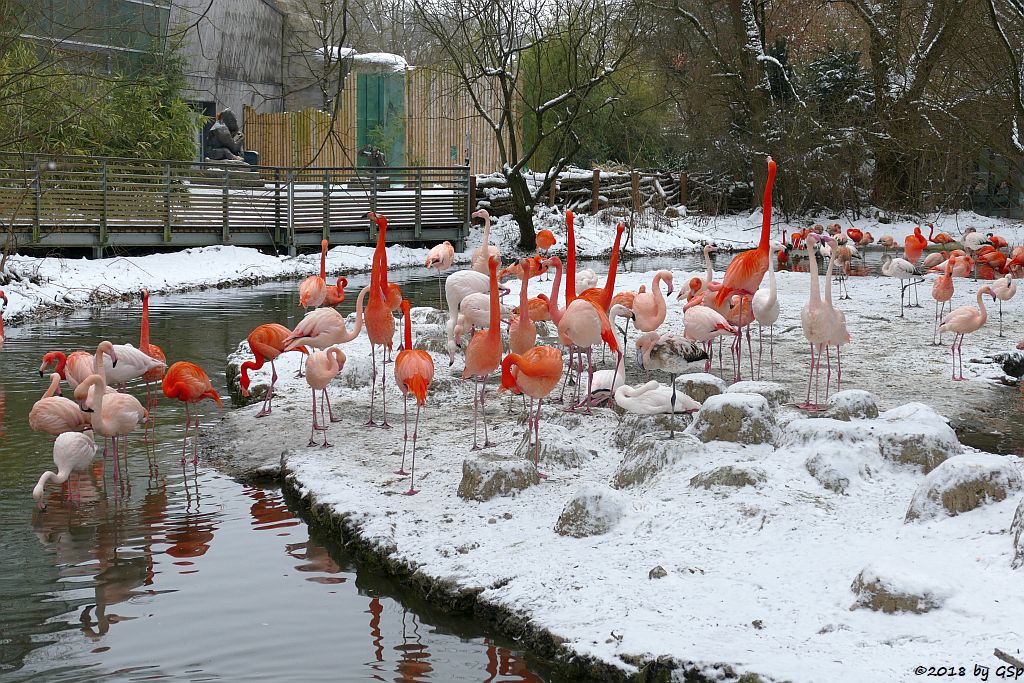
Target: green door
380,116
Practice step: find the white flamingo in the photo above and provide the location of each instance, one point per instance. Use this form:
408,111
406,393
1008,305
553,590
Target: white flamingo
73,453
653,398
765,306
816,321
1004,288
903,270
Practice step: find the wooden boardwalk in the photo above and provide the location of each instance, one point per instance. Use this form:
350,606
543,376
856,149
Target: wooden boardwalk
108,203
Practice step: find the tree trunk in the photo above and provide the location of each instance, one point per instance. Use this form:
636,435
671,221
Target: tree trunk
522,211
894,187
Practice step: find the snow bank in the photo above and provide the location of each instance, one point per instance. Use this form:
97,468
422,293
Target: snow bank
964,483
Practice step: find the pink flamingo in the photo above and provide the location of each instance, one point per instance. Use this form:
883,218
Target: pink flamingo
816,321
534,373
522,333
962,321
336,294
266,342
414,371
325,327
703,324
73,453
1004,290
113,415
838,332
321,368
581,325
440,258
765,306
483,253
73,368
313,290
483,355
53,414
942,292
649,308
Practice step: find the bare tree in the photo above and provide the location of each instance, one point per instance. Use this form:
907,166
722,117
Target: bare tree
501,52
1008,20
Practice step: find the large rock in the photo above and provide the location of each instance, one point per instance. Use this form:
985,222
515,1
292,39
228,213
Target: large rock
729,475
836,470
647,455
776,393
484,478
593,510
700,385
1012,362
852,404
633,426
742,418
888,589
557,446
963,483
1017,533
914,434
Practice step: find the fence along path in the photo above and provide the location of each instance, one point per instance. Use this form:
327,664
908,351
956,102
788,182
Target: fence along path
99,203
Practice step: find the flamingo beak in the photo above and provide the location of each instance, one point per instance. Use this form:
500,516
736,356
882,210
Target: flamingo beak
670,288
40,373
84,408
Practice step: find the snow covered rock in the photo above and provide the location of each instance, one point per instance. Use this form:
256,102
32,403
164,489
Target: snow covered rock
593,510
1012,362
233,373
700,385
484,478
427,315
837,469
963,483
776,394
891,589
648,454
557,446
743,418
729,475
914,434
632,427
1017,531
852,404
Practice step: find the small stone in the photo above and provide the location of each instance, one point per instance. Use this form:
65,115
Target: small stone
507,515
485,477
657,573
885,589
729,475
1017,533
700,385
592,511
852,404
836,469
758,624
775,393
492,520
964,483
740,418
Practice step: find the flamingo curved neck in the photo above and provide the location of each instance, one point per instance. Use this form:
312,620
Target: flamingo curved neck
408,327
144,332
613,267
812,268
570,259
346,335
553,310
524,303
982,309
772,290
766,219
54,385
710,274
828,281
495,312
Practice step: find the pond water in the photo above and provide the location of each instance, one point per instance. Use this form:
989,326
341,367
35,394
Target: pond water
184,573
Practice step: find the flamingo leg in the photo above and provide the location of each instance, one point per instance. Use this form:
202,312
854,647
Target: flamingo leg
760,348
1000,317
195,446
828,376
590,378
476,400
771,348
373,385
384,400
330,411
184,440
268,399
314,427
672,417
324,425
405,438
536,436
415,431
483,410
720,368
810,376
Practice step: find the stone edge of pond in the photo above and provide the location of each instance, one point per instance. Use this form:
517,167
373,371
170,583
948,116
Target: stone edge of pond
450,597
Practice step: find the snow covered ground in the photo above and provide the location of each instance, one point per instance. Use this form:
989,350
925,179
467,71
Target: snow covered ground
759,576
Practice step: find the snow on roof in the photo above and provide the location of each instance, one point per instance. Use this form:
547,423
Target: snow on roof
382,59
336,52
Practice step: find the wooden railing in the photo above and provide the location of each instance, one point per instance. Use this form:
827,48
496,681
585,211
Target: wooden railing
94,202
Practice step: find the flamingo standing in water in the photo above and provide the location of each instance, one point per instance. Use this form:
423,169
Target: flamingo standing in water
73,368
313,289
816,321
321,368
483,355
3,297
440,258
1004,290
414,371
156,353
534,374
765,306
190,384
266,342
53,414
962,321
73,453
114,415
126,363
942,292
482,254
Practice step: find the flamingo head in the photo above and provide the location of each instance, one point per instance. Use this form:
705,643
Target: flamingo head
480,216
988,290
643,345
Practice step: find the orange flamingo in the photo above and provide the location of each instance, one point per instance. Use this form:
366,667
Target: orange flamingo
321,368
942,292
266,342
53,414
997,241
414,371
188,383
392,293
570,258
380,328
313,290
73,368
336,294
914,245
941,238
522,333
153,351
602,298
483,355
538,306
534,373
649,308
855,234
545,240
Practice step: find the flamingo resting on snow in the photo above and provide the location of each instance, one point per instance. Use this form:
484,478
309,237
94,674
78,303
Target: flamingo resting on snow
190,384
962,321
414,371
73,453
670,353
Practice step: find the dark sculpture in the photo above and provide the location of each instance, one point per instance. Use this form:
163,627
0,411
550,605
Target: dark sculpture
224,139
376,156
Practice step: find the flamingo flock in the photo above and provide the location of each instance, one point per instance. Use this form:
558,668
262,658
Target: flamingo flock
584,317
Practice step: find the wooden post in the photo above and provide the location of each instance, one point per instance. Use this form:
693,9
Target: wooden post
471,197
167,203
104,189
418,224
225,230
595,192
373,204
684,188
552,191
327,207
37,188
291,212
634,178
277,206
470,208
